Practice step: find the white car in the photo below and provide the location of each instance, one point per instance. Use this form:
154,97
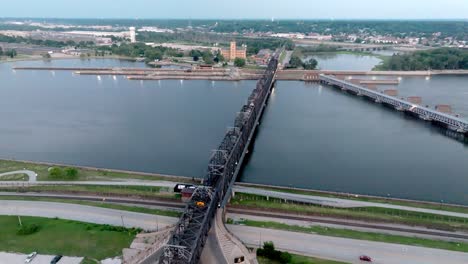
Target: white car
30,257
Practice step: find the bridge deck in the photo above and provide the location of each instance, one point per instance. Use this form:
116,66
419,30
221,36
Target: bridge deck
452,122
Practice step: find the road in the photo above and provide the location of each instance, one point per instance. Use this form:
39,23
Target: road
325,201
12,258
31,174
362,226
348,250
337,202
85,213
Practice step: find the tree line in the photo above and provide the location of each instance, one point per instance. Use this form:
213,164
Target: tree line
46,42
436,59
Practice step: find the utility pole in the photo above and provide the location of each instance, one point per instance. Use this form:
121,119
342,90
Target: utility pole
121,217
19,218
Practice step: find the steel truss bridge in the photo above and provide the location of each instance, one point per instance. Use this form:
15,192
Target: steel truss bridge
453,123
187,240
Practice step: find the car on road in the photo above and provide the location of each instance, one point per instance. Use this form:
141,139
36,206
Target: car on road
365,258
30,257
56,259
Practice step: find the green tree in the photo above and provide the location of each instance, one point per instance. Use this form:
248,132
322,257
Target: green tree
71,173
208,57
239,62
11,53
311,64
295,62
1,51
55,172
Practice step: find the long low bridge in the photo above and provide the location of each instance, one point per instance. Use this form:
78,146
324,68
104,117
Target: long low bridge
186,243
451,122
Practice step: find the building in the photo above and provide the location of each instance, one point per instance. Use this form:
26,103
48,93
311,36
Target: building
233,52
132,35
263,57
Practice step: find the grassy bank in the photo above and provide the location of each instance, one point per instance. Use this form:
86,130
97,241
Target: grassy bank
345,233
297,259
137,209
84,174
376,214
71,238
103,190
417,204
15,177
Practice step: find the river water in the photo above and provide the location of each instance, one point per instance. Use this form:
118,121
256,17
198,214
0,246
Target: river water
311,136
166,127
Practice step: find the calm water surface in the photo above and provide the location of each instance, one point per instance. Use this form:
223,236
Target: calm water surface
321,138
311,136
345,62
166,127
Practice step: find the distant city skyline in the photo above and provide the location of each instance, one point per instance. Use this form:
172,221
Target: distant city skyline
238,9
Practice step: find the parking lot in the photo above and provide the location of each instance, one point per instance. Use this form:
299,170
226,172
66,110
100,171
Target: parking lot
13,258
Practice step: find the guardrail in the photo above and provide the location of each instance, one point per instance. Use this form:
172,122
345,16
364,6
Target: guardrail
452,122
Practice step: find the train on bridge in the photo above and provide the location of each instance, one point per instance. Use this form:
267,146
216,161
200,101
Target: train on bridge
187,240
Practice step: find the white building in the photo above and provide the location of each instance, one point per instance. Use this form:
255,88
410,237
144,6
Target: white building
132,35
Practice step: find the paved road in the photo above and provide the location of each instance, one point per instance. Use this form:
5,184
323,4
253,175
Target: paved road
287,58
12,258
381,228
326,201
347,250
31,174
337,202
85,213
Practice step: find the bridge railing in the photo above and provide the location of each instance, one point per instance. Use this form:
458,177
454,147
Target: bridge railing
189,236
453,122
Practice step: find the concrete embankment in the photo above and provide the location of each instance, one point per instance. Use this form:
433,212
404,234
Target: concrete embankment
230,74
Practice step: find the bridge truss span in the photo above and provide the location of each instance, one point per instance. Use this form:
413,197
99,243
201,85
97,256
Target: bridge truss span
452,122
187,240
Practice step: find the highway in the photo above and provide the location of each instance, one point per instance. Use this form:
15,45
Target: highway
344,249
85,213
337,202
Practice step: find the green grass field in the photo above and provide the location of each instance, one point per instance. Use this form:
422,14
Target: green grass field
70,238
15,177
346,233
297,259
138,191
42,171
377,214
443,207
138,209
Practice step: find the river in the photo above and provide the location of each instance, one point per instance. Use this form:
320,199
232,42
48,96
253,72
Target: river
167,127
311,136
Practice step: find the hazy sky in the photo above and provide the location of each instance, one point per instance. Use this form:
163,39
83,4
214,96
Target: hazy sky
304,9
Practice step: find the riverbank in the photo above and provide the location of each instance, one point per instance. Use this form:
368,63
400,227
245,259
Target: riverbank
86,173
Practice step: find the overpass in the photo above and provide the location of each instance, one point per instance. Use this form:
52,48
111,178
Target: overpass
453,123
189,236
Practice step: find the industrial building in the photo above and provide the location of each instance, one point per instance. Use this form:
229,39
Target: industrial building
233,52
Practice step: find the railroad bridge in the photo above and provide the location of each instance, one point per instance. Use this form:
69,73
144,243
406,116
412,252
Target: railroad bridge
186,243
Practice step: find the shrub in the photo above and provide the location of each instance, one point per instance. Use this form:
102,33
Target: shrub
285,257
55,172
71,173
25,230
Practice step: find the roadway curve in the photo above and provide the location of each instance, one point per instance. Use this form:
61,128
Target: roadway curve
31,174
344,249
84,213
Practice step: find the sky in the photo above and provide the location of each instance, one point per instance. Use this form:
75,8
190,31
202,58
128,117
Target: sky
238,9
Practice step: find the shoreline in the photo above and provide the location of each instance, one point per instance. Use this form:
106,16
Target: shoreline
98,169
246,184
